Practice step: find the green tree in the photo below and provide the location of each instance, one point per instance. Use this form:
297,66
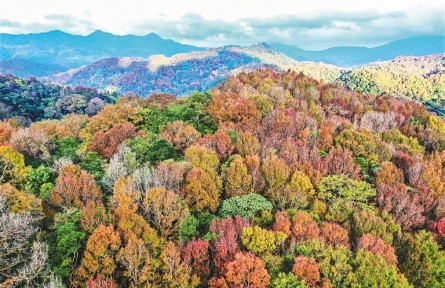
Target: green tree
421,260
343,195
37,178
371,270
69,240
247,206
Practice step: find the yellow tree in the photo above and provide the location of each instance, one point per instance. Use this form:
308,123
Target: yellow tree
124,205
99,255
12,166
139,265
200,192
238,180
165,210
177,273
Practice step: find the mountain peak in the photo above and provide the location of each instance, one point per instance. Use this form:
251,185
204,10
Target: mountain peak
99,33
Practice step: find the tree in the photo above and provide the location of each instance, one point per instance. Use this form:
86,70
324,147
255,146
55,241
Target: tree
74,103
124,205
165,210
404,207
221,142
377,246
378,224
372,271
343,195
225,246
247,144
107,143
294,195
246,206
339,161
37,178
6,130
68,241
389,174
238,181
22,259
276,173
260,241
111,115
196,255
75,188
421,260
21,202
92,215
99,255
123,163
282,223
176,272
200,192
307,270
204,158
31,143
247,270
289,280
239,111
334,234
304,227
179,134
139,264
253,166
12,166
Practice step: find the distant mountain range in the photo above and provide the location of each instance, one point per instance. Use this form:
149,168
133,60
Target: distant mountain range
184,73
420,78
47,53
353,56
43,54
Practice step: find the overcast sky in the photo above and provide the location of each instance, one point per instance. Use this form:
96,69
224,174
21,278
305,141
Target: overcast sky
310,24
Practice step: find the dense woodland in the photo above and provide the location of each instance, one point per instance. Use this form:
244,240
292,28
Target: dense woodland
31,100
269,180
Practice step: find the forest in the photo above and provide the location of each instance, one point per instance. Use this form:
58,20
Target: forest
271,179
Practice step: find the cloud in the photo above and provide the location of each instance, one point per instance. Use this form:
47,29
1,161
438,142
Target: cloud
313,31
317,29
10,24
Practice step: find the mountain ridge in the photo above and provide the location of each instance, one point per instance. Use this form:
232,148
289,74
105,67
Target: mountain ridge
44,50
355,55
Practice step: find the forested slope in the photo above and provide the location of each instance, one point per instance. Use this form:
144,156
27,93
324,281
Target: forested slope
269,180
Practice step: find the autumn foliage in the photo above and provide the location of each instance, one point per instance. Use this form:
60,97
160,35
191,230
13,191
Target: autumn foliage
269,180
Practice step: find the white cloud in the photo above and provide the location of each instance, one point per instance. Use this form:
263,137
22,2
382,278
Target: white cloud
309,24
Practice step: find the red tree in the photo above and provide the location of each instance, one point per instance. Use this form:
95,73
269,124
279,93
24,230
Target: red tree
226,245
307,269
334,234
377,246
107,143
247,270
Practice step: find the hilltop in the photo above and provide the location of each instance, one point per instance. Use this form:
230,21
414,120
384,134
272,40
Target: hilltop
186,72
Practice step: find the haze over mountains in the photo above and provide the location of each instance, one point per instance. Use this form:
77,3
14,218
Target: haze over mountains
56,51
43,54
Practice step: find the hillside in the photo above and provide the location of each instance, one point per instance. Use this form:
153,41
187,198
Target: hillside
182,74
354,56
269,180
31,100
72,51
418,78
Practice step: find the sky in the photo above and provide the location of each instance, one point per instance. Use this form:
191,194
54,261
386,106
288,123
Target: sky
309,24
